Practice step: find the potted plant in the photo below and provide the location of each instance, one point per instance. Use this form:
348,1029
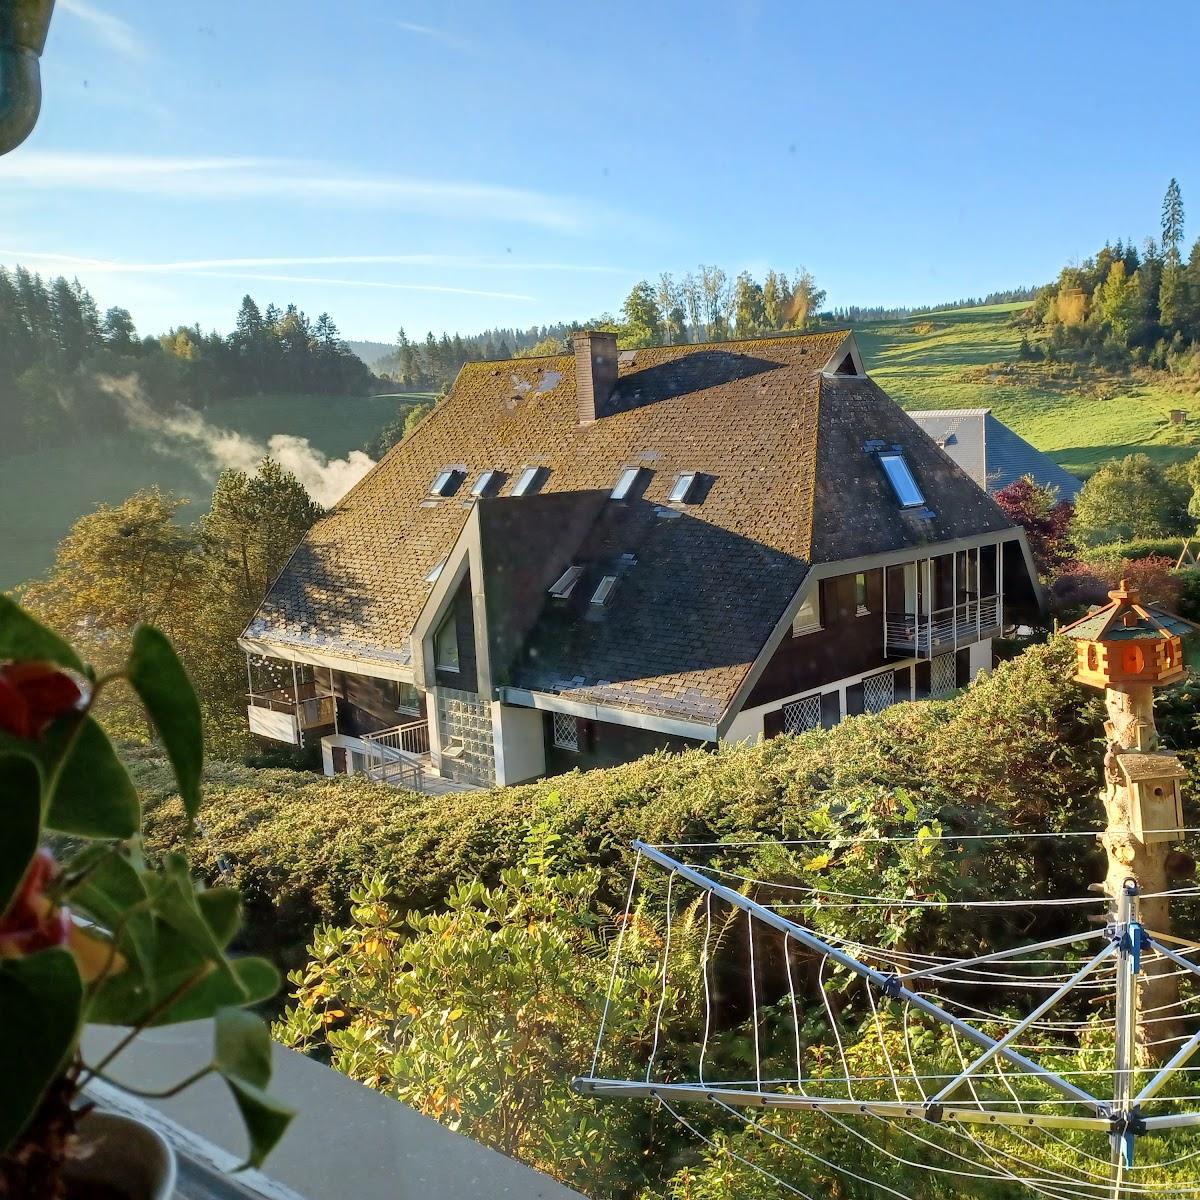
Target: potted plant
90,933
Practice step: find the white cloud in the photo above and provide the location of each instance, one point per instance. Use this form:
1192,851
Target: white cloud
218,178
113,32
55,261
451,40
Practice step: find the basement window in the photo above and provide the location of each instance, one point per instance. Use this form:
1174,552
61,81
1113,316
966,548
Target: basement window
447,482
566,731
629,477
900,476
486,483
564,585
435,571
604,590
528,481
684,489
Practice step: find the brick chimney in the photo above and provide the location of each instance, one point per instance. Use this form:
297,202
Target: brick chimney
595,374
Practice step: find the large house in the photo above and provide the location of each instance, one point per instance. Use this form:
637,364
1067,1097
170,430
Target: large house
991,453
577,559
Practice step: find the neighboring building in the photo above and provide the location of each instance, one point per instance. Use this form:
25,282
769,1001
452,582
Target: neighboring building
577,559
990,452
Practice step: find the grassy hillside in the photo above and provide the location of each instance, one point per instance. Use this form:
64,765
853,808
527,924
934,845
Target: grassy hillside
967,358
42,492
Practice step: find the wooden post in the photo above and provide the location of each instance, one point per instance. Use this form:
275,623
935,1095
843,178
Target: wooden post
1130,730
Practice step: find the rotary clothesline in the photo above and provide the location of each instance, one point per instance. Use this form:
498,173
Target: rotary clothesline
977,1108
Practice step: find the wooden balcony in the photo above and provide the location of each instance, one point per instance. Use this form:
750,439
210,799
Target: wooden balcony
285,716
927,634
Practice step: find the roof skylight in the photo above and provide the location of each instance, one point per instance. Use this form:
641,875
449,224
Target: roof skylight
528,481
446,482
900,476
604,589
685,485
564,585
486,483
628,478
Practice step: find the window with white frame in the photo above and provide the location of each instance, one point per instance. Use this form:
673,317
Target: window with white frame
408,699
900,476
566,731
808,615
445,645
860,594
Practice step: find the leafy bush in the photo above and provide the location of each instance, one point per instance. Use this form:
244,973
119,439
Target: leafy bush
1136,548
1012,750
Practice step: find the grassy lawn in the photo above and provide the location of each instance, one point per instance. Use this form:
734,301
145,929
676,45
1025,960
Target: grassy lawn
968,358
43,492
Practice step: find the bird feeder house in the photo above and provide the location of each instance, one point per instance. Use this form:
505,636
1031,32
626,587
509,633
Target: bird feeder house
1125,642
1156,811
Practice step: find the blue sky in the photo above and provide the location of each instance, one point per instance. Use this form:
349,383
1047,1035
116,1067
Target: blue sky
455,166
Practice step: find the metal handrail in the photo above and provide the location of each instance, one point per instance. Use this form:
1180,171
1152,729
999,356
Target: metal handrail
950,625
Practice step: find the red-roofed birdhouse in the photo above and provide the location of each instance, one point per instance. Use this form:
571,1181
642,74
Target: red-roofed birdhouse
1126,642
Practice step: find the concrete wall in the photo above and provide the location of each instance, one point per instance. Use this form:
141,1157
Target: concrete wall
346,1143
520,743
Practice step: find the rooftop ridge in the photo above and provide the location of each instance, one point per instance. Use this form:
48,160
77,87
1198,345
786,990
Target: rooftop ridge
797,336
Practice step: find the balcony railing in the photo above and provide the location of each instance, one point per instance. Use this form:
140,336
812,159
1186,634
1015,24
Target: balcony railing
280,715
398,755
927,634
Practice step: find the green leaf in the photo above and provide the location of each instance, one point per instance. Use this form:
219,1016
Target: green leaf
40,1001
21,797
252,981
177,904
221,909
92,795
109,894
243,1058
24,639
159,679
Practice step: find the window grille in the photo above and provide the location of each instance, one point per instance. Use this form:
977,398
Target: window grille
566,731
943,674
879,691
802,714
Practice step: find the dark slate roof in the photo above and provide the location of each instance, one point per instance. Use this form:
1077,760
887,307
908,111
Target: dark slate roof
787,480
991,453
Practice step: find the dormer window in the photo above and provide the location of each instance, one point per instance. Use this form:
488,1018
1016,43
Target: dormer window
564,585
487,483
528,482
900,476
447,481
625,484
685,488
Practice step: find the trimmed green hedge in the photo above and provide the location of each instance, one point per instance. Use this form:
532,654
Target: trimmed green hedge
1137,548
1014,750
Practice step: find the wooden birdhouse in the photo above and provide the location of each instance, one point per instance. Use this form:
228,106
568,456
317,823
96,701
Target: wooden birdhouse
1126,642
1156,806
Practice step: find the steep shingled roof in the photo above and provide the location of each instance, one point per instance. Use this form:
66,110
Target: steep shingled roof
787,482
991,453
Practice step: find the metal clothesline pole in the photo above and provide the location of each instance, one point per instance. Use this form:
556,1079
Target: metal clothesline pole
1127,936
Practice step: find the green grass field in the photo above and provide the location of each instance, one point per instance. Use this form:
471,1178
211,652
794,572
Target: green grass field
43,492
967,358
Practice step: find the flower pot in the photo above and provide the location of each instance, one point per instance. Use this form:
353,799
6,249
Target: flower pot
118,1158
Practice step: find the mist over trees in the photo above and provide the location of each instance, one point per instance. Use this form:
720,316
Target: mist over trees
54,343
